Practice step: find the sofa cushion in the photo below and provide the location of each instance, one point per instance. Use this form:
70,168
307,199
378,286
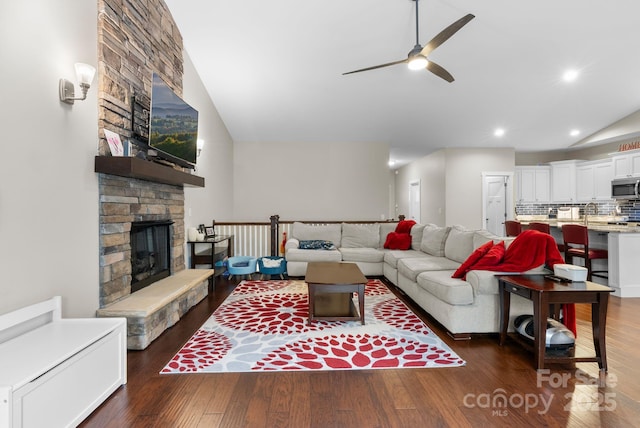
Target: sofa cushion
416,236
385,229
485,282
459,244
369,255
483,236
360,235
307,232
411,267
433,239
453,291
298,255
392,257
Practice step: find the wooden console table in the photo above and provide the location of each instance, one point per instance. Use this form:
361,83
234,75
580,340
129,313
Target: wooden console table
543,292
210,256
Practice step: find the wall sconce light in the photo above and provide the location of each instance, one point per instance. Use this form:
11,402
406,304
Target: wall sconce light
84,74
200,145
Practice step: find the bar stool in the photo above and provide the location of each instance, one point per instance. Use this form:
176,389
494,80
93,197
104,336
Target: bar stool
579,235
512,228
544,228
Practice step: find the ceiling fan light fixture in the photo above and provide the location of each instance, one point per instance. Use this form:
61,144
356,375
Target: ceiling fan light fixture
417,62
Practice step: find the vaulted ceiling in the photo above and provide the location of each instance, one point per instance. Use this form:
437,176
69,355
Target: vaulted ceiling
274,70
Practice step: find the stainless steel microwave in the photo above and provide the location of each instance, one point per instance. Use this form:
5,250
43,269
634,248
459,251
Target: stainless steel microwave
625,188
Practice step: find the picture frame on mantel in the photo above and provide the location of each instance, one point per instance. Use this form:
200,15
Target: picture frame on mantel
115,144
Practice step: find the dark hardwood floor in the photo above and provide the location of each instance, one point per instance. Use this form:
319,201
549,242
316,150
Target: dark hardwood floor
497,387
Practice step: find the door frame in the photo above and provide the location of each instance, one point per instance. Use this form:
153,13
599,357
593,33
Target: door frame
415,184
509,201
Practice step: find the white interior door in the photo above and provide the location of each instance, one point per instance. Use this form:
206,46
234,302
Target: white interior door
414,201
497,201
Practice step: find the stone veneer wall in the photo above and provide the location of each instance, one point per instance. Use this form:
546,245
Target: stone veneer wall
122,201
135,39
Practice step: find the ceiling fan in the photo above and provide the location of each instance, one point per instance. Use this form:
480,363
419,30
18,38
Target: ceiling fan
417,57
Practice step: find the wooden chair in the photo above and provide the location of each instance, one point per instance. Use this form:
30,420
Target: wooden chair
512,228
576,234
544,228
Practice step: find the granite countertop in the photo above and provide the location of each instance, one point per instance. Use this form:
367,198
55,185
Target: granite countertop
596,223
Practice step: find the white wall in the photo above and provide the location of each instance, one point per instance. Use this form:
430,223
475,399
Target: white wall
451,184
429,170
215,163
328,181
463,171
48,189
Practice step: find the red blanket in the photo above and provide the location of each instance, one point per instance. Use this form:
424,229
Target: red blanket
401,238
529,250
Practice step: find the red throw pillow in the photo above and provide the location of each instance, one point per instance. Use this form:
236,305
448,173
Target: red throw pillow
398,241
472,259
493,257
405,226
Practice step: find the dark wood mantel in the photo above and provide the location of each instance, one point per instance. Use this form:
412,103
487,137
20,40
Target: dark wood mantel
133,167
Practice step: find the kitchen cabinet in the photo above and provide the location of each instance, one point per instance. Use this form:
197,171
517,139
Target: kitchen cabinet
563,181
626,165
593,180
533,183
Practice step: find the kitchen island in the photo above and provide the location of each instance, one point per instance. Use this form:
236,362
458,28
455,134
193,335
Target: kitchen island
622,240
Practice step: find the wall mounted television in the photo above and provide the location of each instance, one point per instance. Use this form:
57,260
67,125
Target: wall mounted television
173,125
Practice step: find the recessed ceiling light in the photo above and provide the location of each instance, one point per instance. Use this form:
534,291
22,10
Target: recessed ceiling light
499,132
392,162
574,132
570,75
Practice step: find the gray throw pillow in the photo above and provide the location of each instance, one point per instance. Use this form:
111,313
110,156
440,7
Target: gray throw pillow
433,239
360,235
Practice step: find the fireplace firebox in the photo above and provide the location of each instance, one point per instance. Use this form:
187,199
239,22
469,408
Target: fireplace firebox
150,252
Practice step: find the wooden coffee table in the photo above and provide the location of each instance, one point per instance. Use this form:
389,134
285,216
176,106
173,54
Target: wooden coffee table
544,292
331,288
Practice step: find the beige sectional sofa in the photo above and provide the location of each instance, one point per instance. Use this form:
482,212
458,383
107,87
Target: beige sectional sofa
423,272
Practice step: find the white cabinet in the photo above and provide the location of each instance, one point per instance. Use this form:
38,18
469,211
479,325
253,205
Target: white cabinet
593,180
60,370
533,183
563,181
626,165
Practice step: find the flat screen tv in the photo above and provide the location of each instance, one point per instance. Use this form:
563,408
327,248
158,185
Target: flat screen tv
173,125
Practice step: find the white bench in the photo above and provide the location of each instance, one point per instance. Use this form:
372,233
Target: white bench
54,372
155,308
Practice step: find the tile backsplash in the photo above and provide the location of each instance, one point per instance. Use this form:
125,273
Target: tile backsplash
627,208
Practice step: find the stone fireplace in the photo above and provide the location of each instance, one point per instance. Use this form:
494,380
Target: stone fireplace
124,202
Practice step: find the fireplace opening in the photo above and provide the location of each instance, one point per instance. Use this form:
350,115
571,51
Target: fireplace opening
150,252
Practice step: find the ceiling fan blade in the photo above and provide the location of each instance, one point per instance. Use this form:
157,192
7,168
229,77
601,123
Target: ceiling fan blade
439,71
445,34
376,66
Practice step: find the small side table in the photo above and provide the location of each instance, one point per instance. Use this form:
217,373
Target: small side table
543,292
210,256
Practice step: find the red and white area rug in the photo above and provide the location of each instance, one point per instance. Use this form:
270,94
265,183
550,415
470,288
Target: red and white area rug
262,326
